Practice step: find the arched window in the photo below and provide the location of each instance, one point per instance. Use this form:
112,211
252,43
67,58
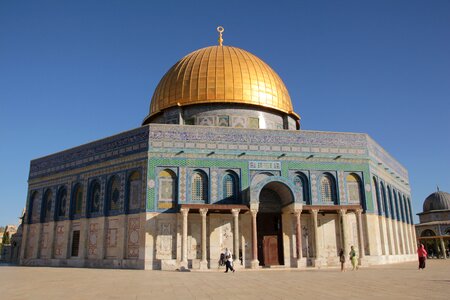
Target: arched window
114,194
167,189
447,231
33,216
391,203
410,211
405,202
402,208
428,232
327,188
78,199
134,191
353,188
397,211
301,180
94,197
377,196
47,206
384,200
199,187
229,187
62,202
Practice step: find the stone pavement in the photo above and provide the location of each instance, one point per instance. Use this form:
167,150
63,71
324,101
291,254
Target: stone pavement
398,281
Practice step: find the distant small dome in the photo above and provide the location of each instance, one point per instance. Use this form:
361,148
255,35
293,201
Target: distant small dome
437,201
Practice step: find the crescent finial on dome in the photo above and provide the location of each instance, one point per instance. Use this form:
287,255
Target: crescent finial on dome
220,29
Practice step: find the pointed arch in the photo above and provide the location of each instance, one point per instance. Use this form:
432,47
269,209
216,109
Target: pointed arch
47,206
301,181
167,189
391,202
94,197
77,200
402,207
230,186
376,188
199,187
328,189
33,215
133,188
61,203
354,188
113,195
384,199
427,232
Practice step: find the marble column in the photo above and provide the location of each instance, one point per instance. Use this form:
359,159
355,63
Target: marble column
360,235
317,260
184,261
235,213
412,239
203,262
255,262
444,253
301,262
343,219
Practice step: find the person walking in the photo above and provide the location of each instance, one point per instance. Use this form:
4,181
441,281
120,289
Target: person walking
422,253
342,259
353,259
229,261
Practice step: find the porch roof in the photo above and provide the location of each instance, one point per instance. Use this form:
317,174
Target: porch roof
216,208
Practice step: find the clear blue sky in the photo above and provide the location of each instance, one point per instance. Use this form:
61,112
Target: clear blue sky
76,71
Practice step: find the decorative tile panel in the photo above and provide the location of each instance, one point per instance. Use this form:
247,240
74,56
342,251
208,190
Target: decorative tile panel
126,143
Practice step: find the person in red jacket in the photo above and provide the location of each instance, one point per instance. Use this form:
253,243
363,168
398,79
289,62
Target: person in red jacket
422,253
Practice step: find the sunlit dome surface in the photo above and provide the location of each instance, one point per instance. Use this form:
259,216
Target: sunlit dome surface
221,74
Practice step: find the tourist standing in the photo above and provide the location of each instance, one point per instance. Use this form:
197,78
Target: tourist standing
353,259
422,253
229,260
342,259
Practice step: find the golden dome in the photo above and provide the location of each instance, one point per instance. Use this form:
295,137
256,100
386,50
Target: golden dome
221,74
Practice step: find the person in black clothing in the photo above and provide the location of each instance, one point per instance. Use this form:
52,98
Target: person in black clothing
342,259
229,260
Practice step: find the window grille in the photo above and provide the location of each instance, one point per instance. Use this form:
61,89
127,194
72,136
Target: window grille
199,189
327,189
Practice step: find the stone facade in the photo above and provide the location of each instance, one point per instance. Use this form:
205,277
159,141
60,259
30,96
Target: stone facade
173,227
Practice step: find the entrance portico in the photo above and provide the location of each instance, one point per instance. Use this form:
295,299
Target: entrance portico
272,201
282,237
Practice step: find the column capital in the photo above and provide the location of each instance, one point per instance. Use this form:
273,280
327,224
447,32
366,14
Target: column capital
235,212
342,211
253,212
298,212
203,211
314,212
184,211
358,211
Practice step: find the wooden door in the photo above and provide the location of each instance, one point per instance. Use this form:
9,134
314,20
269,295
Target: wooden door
270,246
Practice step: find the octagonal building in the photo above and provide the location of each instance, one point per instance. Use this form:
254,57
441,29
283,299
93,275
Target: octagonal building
220,162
